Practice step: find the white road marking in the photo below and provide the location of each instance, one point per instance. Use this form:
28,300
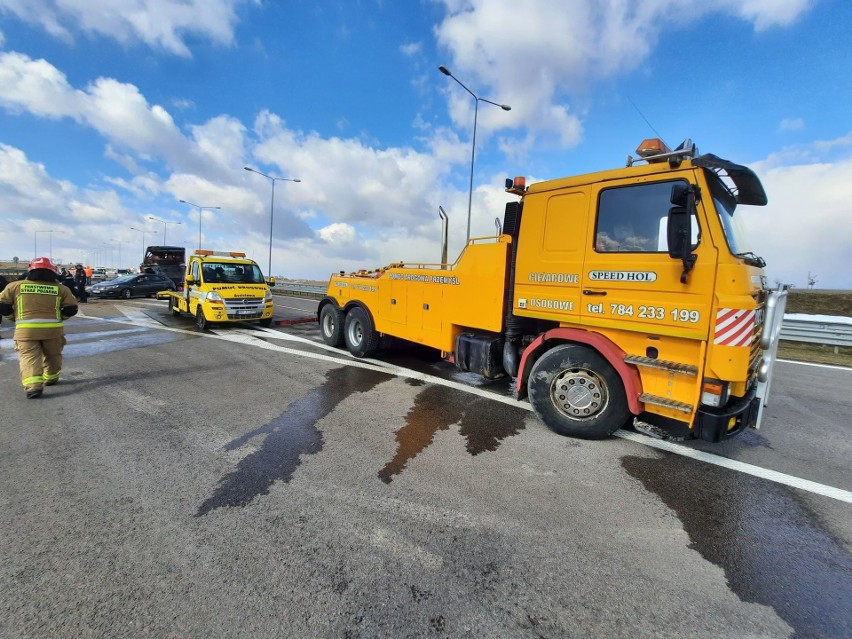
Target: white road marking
830,366
250,338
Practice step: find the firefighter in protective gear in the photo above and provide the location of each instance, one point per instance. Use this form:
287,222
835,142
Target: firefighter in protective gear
38,305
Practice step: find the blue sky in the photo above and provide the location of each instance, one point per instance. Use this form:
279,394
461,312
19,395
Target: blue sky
114,110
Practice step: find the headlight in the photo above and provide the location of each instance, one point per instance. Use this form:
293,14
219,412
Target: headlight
714,392
213,296
268,296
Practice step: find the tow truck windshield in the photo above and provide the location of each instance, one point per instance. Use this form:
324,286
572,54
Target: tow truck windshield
229,273
735,234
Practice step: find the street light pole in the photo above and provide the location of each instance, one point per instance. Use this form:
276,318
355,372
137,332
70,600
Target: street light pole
142,231
119,253
477,100
271,209
156,219
200,209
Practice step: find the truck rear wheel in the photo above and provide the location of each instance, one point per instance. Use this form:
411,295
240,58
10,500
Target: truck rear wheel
201,321
575,391
173,307
358,332
331,325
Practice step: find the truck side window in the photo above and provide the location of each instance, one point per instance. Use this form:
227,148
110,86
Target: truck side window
632,219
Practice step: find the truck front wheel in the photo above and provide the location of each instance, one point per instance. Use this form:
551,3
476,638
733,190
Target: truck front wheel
358,332
575,391
331,325
201,321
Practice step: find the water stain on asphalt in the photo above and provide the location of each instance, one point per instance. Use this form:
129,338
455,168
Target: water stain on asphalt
482,422
769,545
288,437
121,342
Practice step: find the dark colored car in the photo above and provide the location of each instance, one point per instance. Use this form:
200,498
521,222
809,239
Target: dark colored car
135,285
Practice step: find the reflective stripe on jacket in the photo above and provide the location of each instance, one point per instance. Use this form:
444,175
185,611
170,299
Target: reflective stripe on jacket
37,308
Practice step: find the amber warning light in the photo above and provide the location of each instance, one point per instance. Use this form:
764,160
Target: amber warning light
517,186
651,147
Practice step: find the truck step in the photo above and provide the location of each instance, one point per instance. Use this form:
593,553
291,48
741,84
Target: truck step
655,431
665,402
649,362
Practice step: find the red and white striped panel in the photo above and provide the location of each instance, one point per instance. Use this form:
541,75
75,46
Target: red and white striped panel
734,327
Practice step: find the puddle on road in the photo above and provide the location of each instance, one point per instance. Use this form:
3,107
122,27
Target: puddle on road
482,422
288,437
772,551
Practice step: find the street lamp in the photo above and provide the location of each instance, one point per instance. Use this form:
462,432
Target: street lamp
200,209
271,208
35,243
142,231
156,219
477,100
119,253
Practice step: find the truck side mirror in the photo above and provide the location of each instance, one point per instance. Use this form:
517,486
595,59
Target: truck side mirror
679,234
678,231
678,197
679,227
190,280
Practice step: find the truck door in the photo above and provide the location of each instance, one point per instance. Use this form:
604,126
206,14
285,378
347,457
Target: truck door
629,279
550,255
195,271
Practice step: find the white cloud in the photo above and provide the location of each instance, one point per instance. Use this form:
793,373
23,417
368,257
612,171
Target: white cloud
34,202
159,24
411,48
766,14
350,181
792,124
803,228
539,58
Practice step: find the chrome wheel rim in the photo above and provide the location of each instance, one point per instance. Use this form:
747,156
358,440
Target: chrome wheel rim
579,393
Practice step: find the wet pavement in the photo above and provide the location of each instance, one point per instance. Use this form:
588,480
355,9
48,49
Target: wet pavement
773,550
256,487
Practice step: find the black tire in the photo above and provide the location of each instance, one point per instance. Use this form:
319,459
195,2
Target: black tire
126,294
266,323
358,333
172,307
201,321
577,393
331,325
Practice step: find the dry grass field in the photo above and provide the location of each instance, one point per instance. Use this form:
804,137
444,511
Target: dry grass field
818,302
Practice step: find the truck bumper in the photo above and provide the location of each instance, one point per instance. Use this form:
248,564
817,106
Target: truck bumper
718,424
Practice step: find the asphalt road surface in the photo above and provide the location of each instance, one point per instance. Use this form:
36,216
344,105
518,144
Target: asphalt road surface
249,482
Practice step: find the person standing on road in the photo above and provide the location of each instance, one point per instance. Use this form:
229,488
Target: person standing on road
38,305
80,284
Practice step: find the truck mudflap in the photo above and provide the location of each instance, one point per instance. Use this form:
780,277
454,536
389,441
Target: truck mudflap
717,424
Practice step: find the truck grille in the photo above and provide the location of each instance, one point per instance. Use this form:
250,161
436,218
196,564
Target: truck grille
759,325
244,308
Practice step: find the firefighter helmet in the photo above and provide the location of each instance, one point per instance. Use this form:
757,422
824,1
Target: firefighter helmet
41,262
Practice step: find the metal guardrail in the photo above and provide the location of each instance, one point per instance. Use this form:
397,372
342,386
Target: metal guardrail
816,332
300,290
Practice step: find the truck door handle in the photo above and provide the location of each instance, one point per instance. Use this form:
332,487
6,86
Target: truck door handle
588,291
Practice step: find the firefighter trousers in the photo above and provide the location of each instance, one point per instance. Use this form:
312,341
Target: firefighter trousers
40,361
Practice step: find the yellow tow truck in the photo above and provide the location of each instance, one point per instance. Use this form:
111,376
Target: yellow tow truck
617,297
222,287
